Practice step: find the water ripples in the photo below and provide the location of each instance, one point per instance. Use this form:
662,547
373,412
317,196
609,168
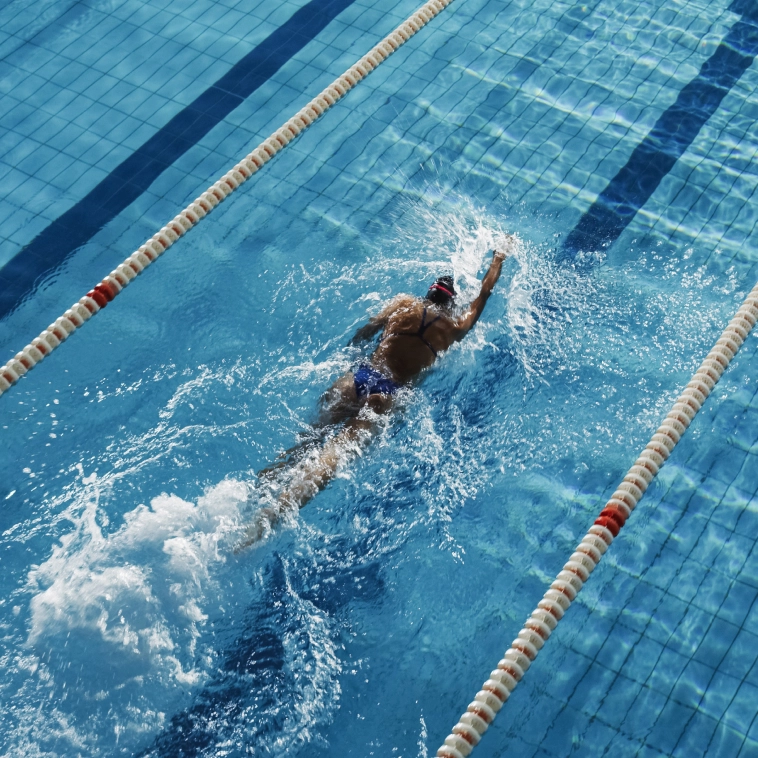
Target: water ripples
137,626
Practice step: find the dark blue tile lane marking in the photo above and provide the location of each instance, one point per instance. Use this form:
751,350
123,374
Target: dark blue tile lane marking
672,134
131,178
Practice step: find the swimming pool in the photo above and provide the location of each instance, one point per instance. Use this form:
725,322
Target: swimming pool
128,625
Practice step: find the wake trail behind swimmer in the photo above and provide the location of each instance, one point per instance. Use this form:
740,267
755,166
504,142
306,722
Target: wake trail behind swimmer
414,332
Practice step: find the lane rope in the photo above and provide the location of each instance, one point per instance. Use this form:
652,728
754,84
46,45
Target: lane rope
104,292
550,610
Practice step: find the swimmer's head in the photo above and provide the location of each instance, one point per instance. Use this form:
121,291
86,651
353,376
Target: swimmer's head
442,292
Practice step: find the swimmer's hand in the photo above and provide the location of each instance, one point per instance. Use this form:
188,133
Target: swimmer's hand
505,248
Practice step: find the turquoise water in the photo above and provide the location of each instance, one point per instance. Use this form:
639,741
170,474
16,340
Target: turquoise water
128,624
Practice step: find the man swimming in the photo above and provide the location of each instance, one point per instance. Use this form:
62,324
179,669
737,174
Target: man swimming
414,332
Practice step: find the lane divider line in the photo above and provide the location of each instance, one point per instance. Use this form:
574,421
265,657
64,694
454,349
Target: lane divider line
104,292
556,601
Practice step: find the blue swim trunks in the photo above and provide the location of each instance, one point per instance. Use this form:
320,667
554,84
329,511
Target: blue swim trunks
369,381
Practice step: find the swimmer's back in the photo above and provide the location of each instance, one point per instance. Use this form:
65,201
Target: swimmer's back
415,332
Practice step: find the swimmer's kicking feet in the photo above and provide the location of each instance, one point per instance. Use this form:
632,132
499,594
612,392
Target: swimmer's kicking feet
414,332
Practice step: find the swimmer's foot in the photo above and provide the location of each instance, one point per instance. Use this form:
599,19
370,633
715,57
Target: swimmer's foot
262,526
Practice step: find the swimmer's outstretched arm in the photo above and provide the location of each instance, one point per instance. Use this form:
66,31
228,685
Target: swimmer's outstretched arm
474,311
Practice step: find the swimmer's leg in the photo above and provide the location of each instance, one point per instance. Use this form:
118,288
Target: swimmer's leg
339,403
312,473
290,457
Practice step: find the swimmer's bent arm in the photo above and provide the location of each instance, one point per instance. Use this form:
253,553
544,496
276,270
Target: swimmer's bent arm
378,322
474,311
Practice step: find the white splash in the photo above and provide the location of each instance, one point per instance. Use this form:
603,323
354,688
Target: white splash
423,750
137,595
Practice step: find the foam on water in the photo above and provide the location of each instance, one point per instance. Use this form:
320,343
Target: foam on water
127,627
99,585
116,619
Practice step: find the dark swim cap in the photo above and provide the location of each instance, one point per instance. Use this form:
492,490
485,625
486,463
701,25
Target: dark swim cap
442,291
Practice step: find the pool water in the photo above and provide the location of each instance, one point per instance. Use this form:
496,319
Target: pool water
129,624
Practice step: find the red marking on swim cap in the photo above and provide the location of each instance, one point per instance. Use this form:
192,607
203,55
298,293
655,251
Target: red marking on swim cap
440,287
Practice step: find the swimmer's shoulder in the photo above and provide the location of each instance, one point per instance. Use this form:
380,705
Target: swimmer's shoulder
400,302
444,319
404,299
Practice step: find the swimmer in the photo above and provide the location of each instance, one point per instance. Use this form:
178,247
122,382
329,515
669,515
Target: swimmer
414,333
